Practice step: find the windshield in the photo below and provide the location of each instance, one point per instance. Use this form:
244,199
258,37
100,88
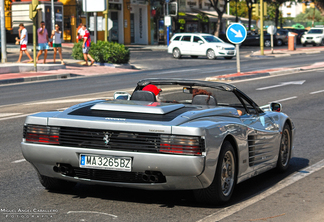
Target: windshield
210,38
315,31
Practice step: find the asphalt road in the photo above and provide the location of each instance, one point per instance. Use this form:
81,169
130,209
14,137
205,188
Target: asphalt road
300,94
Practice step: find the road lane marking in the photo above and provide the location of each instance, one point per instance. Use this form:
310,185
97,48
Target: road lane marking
65,101
281,100
301,82
90,212
14,117
18,161
8,114
228,211
167,72
320,91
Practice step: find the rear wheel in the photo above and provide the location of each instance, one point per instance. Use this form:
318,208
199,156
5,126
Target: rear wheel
284,149
55,184
210,54
176,53
279,42
222,187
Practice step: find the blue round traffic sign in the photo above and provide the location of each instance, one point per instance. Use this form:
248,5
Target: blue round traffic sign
236,33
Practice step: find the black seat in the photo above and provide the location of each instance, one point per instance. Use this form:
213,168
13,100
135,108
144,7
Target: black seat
203,100
143,96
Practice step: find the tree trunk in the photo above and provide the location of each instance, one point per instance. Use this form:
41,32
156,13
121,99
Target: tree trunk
277,15
219,24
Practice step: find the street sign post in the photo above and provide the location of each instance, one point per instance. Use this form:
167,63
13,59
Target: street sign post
236,34
271,30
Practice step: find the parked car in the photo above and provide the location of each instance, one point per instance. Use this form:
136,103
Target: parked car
170,134
282,37
197,44
254,39
314,36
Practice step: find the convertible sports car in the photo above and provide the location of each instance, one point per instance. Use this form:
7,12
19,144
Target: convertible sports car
170,134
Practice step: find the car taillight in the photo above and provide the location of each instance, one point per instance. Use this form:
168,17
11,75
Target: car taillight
42,134
181,145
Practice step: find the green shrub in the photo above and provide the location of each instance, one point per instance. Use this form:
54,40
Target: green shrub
103,52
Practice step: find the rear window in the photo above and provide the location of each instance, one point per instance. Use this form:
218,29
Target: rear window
186,38
177,38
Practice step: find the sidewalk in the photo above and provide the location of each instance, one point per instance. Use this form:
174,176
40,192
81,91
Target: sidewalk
76,68
72,68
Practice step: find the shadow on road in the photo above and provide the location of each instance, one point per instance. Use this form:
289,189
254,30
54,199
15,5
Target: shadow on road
169,199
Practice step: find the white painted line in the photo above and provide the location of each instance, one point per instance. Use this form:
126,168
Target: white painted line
320,91
301,82
90,212
167,72
18,161
281,100
228,211
65,101
8,114
14,117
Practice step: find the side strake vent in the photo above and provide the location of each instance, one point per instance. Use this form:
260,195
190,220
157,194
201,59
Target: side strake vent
260,149
114,140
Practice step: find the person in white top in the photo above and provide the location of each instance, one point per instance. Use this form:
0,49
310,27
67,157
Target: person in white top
23,38
57,43
80,32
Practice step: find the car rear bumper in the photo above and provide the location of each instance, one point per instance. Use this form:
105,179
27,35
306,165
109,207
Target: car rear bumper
180,172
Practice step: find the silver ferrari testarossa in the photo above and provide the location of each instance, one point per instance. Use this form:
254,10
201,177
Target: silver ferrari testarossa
169,134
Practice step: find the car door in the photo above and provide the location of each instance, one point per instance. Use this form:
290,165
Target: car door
198,46
185,44
263,137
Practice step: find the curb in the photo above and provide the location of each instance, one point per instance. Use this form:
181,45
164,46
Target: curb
122,66
252,75
19,67
36,78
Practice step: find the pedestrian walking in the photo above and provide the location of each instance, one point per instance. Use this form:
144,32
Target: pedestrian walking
86,45
23,38
80,33
42,41
57,43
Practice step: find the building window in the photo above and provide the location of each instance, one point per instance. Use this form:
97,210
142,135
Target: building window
288,14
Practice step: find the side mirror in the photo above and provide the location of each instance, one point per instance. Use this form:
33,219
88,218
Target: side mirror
275,107
200,42
122,95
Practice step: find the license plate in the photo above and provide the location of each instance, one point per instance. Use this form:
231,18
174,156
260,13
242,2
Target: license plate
106,162
230,53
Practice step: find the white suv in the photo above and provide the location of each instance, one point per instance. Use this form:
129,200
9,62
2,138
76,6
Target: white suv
314,36
198,44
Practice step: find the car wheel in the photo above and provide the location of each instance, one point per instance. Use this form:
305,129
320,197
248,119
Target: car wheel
55,184
279,42
267,43
210,54
322,42
284,149
194,57
228,57
222,187
176,53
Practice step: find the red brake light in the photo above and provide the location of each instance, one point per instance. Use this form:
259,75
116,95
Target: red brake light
181,145
42,134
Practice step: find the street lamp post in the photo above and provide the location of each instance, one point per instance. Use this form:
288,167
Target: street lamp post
3,33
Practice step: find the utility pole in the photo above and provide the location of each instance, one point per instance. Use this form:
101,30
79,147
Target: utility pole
261,28
53,16
3,33
106,21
